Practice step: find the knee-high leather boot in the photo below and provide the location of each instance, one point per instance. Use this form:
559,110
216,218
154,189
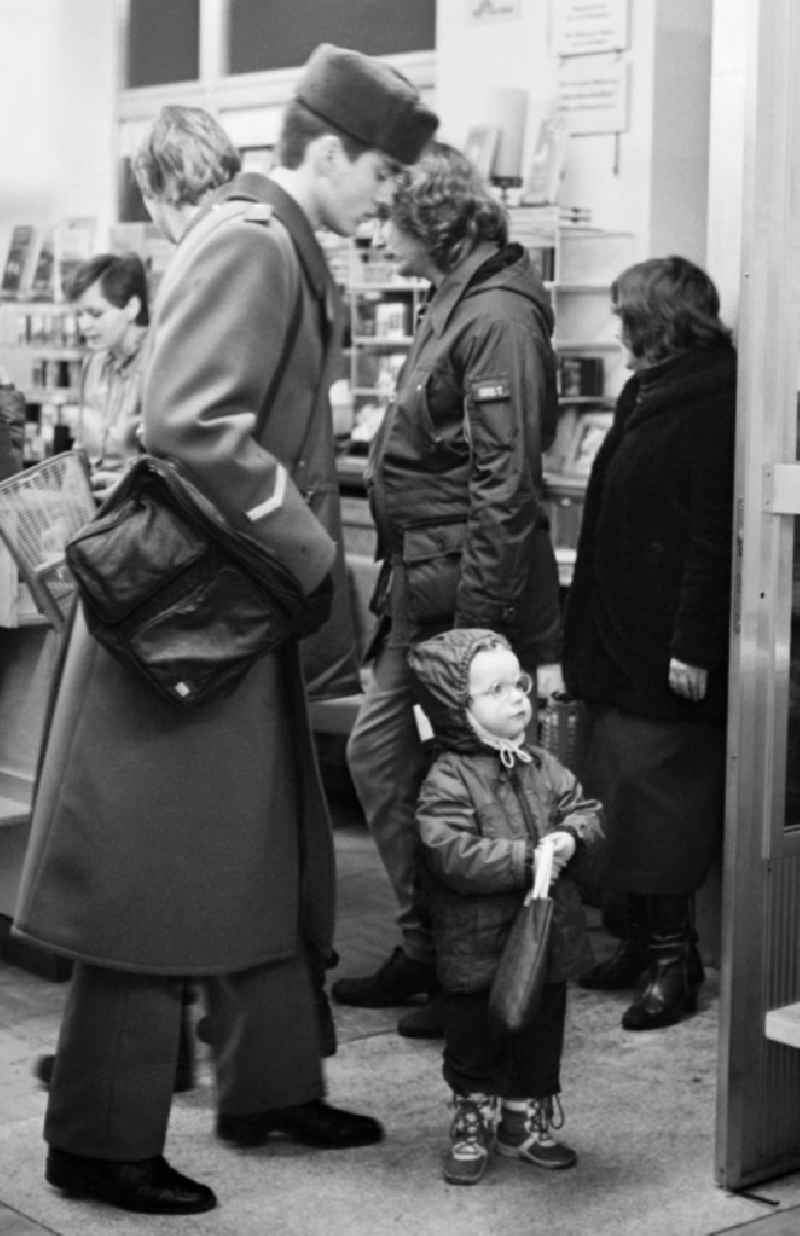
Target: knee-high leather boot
667,994
630,958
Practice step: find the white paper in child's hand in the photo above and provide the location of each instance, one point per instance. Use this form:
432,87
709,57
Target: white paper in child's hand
424,727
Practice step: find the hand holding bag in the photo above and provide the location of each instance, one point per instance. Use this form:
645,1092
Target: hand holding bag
517,987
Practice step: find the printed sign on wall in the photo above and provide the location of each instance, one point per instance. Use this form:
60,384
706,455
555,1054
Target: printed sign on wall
587,27
492,10
593,94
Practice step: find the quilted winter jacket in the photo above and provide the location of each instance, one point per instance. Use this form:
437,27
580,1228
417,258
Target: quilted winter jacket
455,470
478,824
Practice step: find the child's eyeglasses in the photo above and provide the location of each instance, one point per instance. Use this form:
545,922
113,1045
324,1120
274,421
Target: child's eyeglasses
499,690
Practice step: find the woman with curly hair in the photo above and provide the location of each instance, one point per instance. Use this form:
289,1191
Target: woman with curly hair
454,480
646,628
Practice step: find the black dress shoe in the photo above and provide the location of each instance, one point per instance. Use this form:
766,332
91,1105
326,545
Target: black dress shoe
397,981
43,1069
622,969
312,1124
424,1022
148,1186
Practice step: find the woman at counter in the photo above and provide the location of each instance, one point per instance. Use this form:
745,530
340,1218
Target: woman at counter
110,291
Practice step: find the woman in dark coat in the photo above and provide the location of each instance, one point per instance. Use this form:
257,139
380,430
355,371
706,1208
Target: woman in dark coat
646,630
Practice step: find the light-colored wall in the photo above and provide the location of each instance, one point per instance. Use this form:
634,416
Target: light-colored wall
57,108
474,57
733,33
680,128
651,180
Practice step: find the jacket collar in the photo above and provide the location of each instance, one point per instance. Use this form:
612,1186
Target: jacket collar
252,186
263,189
680,379
452,288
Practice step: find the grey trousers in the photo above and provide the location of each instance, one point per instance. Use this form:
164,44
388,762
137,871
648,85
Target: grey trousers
111,1090
387,764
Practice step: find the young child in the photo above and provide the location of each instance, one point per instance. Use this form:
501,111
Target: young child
488,800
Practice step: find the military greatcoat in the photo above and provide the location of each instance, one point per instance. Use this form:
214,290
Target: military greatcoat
198,842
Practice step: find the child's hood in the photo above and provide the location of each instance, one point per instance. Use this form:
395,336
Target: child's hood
441,668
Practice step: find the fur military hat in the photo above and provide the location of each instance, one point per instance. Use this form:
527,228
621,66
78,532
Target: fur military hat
367,100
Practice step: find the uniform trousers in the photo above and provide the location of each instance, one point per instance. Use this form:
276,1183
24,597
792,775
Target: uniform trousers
387,763
111,1089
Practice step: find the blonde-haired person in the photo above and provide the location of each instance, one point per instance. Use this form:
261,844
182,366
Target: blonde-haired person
185,155
167,844
454,479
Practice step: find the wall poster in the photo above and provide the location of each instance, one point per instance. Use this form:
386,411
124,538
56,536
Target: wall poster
588,27
492,10
593,94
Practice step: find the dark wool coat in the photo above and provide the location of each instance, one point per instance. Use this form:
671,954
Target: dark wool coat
455,469
653,570
479,823
199,842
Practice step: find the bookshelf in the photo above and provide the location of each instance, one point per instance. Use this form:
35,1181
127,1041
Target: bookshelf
41,352
383,310
577,265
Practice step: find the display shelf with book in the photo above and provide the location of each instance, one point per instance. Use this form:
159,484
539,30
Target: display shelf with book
383,310
41,355
577,264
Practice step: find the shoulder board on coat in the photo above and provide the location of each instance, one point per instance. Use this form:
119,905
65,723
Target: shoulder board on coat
259,212
218,216
490,390
240,208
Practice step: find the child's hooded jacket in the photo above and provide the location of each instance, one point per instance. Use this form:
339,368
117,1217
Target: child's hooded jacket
479,822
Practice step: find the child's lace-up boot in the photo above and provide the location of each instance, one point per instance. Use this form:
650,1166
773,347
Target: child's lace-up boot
471,1138
525,1132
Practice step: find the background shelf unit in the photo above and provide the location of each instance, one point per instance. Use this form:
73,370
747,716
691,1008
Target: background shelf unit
383,307
578,265
40,351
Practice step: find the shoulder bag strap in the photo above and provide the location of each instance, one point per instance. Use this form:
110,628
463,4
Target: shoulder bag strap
290,339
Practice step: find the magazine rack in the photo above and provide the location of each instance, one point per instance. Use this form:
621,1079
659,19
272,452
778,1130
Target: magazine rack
40,510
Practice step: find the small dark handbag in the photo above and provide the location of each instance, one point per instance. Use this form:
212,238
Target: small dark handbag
173,591
564,730
517,988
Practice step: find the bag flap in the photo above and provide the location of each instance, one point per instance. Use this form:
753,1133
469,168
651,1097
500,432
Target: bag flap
122,559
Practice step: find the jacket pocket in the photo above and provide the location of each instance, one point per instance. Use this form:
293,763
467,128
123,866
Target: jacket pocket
432,566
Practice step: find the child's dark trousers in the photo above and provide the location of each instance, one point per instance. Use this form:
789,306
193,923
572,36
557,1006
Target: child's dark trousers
515,1066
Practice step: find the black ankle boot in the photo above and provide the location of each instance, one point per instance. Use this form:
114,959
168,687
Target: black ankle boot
629,960
667,995
622,969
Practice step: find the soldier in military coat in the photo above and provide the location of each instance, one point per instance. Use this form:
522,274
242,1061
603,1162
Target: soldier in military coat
167,843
